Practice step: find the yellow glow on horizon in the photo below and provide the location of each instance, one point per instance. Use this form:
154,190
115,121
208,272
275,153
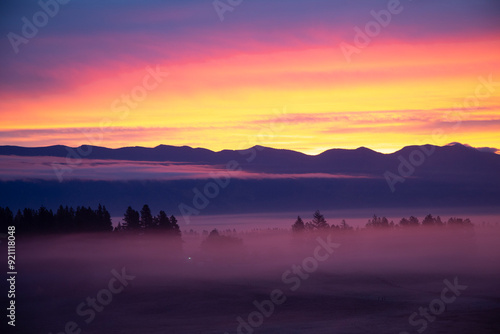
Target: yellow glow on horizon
391,96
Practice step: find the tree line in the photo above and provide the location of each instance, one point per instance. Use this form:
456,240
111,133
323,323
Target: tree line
85,219
145,221
64,220
412,221
319,223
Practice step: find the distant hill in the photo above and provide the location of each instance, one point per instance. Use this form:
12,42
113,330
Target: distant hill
447,160
415,176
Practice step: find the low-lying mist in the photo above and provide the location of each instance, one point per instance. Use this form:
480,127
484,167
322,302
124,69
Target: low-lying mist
339,281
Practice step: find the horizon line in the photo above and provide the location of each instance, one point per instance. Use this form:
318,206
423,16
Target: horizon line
480,149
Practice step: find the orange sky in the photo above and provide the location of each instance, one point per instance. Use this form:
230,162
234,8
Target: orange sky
299,95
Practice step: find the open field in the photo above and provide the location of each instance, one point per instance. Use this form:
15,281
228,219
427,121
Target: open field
371,282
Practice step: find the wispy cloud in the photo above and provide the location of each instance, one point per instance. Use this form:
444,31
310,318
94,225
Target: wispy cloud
225,77
35,168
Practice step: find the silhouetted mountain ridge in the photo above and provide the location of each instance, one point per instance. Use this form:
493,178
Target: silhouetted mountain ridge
453,176
428,160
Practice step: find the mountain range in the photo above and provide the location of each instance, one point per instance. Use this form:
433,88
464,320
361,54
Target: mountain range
454,175
454,158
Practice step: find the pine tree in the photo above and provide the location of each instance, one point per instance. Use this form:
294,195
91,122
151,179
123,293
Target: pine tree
319,221
176,231
146,217
132,220
298,226
118,228
344,226
163,222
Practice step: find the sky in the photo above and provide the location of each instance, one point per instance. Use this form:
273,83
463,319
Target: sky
301,75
